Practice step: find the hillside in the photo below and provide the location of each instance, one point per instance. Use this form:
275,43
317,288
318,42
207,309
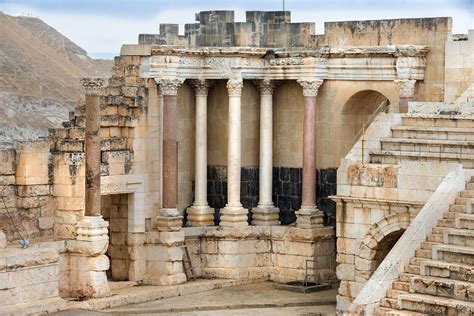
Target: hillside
39,72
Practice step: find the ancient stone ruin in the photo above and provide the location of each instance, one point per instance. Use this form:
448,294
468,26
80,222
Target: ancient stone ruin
261,146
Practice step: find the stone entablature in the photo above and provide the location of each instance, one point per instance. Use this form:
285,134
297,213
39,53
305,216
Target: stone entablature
400,62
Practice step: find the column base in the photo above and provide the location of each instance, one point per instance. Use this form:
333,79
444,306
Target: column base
265,216
309,217
234,216
200,215
169,220
88,258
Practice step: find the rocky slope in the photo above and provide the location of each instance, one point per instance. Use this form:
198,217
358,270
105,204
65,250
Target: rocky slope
39,72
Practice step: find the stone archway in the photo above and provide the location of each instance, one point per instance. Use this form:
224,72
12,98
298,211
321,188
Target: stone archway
358,110
378,242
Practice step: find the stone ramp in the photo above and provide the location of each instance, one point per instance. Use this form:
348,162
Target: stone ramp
440,278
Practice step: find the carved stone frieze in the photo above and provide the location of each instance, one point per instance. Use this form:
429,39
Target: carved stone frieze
310,87
234,86
286,61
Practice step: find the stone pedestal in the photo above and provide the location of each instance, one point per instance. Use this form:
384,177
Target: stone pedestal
234,214
88,261
165,260
309,218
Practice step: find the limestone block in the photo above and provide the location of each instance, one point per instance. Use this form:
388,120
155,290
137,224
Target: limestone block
88,248
168,223
175,238
344,258
345,271
236,273
343,302
3,240
293,248
66,231
19,258
7,180
209,246
10,296
163,253
346,245
137,270
7,162
33,190
165,268
40,291
291,261
33,275
362,264
167,279
89,284
45,222
82,263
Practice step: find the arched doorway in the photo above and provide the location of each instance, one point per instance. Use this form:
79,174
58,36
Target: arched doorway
385,245
360,109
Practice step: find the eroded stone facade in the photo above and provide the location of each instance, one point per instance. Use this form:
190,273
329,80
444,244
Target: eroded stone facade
240,126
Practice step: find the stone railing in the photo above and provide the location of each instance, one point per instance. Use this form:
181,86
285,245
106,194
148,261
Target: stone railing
390,268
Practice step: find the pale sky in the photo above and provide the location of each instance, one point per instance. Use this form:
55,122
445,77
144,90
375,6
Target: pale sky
102,26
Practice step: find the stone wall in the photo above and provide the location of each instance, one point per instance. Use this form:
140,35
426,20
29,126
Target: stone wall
218,28
458,66
278,253
423,31
25,186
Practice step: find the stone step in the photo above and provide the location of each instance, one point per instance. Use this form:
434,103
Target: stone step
394,157
389,303
467,193
444,287
435,238
454,253
412,269
438,121
438,230
450,215
462,237
394,293
434,305
464,221
422,253
403,313
427,145
405,277
455,271
401,286
455,208
462,200
470,186
446,223
426,132
416,261
427,245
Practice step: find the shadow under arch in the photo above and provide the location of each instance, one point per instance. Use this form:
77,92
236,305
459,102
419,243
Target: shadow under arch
358,110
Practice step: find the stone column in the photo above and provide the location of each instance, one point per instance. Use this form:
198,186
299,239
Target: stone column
266,213
234,214
406,89
88,278
200,214
309,216
92,148
169,91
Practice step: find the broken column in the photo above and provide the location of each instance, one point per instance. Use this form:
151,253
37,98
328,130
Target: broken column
165,260
308,216
88,261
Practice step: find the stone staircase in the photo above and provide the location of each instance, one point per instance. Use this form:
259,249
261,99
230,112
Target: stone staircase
440,138
439,280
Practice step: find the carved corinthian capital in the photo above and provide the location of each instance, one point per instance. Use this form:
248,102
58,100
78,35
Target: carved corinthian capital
201,86
169,86
406,87
266,86
235,87
92,85
310,87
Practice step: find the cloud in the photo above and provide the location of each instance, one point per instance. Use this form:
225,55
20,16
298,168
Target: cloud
103,26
